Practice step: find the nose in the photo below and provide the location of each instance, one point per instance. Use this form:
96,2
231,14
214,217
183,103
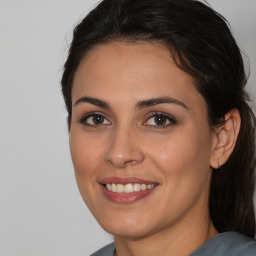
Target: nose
124,148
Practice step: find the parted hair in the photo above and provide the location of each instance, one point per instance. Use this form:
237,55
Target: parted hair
201,44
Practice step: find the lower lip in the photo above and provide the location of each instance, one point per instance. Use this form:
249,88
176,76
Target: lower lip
126,198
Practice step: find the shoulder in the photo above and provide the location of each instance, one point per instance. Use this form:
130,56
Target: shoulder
228,244
107,250
241,245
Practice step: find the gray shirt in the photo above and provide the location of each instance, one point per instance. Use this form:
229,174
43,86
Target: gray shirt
223,244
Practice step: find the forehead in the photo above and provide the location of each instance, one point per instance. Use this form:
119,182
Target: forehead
131,71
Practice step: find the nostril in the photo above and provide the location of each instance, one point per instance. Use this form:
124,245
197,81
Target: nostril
123,148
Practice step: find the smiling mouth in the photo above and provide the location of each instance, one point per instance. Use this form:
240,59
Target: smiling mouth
128,188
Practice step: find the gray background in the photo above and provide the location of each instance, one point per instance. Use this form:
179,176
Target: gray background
41,211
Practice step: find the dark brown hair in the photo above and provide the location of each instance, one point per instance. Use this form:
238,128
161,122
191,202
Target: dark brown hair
202,45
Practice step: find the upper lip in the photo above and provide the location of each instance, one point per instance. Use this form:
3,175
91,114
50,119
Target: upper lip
125,180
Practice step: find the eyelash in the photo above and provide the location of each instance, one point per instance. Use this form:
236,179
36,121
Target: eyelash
170,119
94,114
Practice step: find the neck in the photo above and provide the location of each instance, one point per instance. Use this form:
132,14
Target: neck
177,240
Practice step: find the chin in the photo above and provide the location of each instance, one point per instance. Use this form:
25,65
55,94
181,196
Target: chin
128,232
126,226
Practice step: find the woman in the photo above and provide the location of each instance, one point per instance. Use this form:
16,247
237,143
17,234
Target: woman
161,136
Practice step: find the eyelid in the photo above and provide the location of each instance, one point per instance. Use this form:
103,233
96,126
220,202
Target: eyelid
91,114
169,117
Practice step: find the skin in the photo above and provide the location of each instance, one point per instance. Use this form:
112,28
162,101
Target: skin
177,156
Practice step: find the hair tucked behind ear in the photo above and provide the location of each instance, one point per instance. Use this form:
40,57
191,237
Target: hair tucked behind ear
231,197
202,45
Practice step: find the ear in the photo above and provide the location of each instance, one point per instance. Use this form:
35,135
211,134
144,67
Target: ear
225,138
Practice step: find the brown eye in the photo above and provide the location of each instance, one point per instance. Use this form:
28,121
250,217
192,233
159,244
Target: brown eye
160,121
94,120
98,119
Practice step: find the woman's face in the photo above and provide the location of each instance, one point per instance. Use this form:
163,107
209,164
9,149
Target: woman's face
139,140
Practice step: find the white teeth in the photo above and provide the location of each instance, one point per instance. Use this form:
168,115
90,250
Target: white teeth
128,188
119,188
136,187
113,188
143,187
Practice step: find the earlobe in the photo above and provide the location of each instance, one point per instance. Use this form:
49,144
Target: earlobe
225,139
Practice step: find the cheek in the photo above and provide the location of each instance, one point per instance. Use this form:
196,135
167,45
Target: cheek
84,150
183,161
184,158
86,154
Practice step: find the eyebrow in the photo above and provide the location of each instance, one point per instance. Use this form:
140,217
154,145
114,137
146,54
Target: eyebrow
93,101
141,104
156,101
